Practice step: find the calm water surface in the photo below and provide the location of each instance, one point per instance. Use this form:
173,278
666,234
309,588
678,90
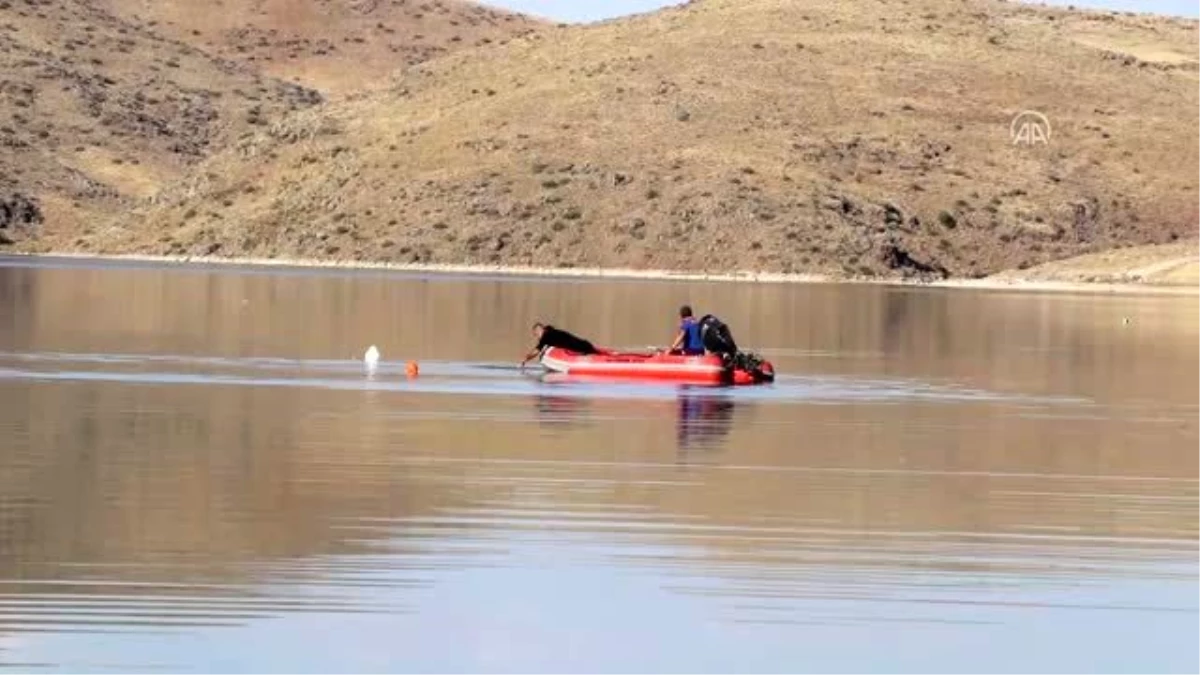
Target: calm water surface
197,473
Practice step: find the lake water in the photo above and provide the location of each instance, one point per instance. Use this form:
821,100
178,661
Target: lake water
197,473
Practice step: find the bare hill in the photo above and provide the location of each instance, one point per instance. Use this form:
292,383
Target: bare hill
94,109
332,45
864,139
102,101
1156,265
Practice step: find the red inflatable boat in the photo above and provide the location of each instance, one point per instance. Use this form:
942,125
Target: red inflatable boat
661,366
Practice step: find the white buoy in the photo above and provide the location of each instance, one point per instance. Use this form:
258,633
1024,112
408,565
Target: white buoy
1125,321
371,358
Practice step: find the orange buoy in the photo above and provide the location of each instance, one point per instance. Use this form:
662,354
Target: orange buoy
411,369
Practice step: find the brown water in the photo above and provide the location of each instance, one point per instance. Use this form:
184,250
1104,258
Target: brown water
197,473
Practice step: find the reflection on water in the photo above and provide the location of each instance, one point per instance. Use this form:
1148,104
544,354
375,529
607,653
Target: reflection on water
198,474
703,415
560,411
704,420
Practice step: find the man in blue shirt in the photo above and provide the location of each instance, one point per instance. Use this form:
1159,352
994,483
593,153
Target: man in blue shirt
688,339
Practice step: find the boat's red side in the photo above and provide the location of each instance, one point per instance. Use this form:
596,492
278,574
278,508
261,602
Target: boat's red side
657,366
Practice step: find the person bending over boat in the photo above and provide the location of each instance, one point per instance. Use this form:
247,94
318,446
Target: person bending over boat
549,336
688,340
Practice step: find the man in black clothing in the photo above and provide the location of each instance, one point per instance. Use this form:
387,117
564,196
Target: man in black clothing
549,336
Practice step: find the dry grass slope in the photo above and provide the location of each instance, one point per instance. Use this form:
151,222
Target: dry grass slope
103,101
1156,265
95,110
869,139
336,46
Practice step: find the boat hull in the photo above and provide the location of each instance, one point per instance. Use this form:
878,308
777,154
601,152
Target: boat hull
654,367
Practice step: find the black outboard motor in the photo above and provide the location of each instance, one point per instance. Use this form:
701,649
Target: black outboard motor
718,339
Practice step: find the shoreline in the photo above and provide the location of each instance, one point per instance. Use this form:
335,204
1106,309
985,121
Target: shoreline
609,273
